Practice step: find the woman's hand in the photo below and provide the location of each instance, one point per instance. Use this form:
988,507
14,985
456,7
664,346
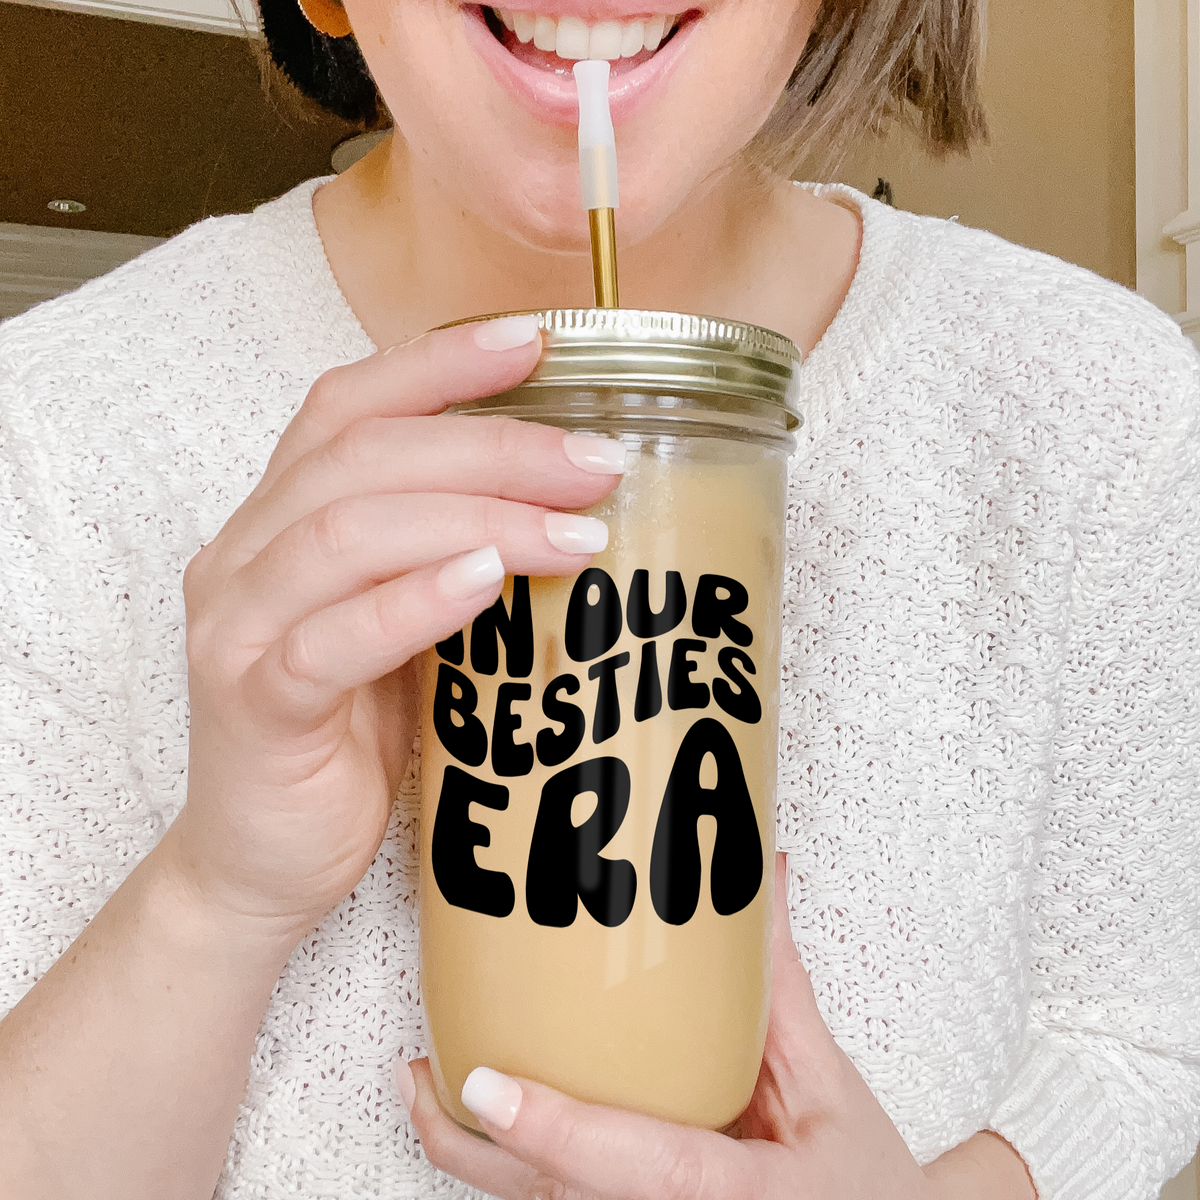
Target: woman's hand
812,1131
379,528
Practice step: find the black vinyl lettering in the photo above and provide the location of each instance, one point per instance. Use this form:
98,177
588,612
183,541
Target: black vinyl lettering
452,649
682,690
592,629
744,704
466,741
554,748
607,717
737,861
460,879
564,860
510,757
646,624
647,702
713,615
515,628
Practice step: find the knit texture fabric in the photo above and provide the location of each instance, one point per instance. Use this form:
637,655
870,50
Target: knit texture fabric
990,753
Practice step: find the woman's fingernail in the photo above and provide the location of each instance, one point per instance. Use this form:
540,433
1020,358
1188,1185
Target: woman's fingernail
406,1083
600,455
506,333
576,535
492,1097
470,574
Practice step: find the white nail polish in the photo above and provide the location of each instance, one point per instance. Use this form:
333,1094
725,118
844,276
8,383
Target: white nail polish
600,455
506,333
576,535
492,1097
470,574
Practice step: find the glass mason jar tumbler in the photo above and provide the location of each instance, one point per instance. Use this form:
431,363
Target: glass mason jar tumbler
599,752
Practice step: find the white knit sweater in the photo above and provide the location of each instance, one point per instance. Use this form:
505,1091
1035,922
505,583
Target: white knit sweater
991,698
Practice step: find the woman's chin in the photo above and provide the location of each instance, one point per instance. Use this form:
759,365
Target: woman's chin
570,238
556,233
564,230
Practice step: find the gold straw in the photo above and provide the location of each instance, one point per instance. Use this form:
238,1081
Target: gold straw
604,256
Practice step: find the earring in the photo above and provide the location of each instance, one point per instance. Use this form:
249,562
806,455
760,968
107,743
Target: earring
327,17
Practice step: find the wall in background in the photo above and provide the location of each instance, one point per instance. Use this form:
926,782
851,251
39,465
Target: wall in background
1058,175
1185,1186
151,127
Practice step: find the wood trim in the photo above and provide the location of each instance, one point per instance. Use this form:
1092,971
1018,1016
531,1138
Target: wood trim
39,263
1185,229
235,17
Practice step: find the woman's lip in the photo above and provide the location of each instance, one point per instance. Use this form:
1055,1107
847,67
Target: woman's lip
550,96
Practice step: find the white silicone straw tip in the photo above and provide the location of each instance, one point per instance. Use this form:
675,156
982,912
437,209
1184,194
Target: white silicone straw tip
595,120
597,142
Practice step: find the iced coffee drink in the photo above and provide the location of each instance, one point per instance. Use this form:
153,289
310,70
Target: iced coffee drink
599,760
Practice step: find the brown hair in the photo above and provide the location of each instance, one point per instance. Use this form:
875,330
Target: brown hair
866,62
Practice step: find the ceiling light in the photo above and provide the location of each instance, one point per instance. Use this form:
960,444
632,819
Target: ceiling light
67,206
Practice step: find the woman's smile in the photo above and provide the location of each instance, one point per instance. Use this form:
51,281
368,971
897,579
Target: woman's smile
484,102
571,37
531,53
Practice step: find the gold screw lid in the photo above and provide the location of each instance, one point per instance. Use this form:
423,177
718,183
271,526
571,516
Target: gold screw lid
682,354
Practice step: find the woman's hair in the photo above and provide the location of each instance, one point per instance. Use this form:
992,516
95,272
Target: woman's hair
328,70
866,62
871,61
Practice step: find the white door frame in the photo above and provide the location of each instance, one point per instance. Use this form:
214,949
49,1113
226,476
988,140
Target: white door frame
1167,57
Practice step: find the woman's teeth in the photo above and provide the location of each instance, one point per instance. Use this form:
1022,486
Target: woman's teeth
572,37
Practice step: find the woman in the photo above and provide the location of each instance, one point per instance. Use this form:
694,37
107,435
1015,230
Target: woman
991,682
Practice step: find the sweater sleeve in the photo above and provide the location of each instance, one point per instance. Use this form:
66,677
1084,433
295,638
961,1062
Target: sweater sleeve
1105,1101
